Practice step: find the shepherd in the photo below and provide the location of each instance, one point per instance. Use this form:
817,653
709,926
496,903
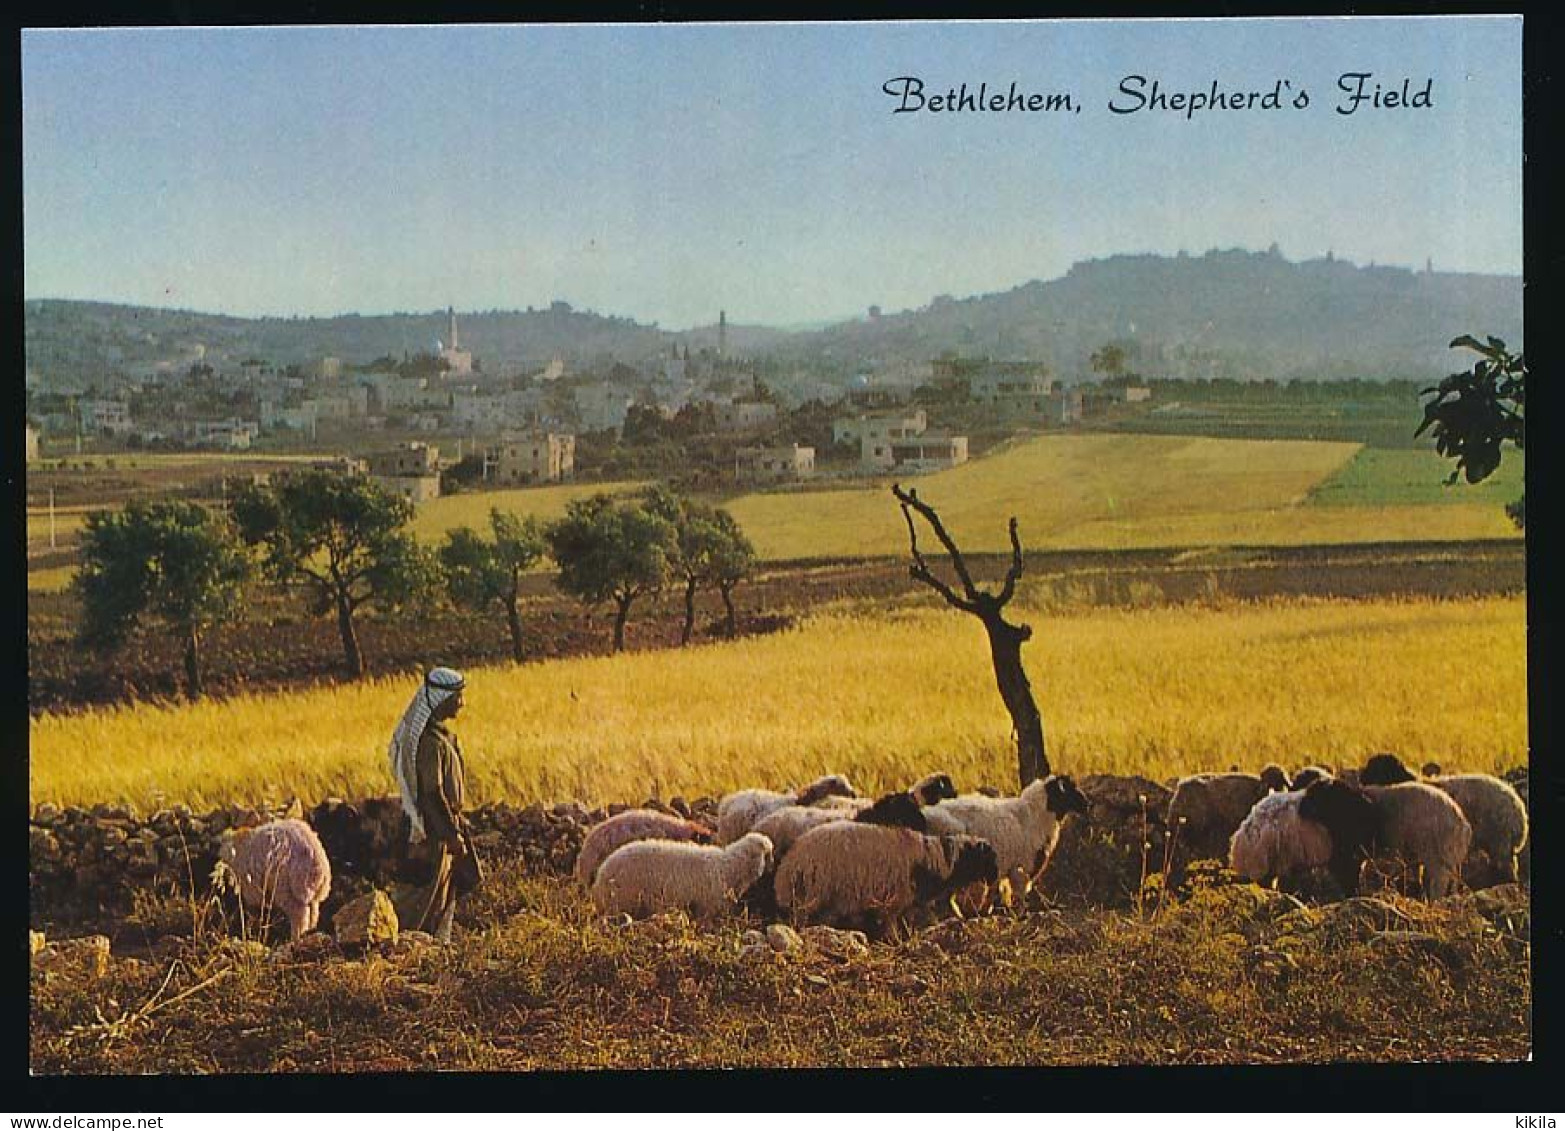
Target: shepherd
426,760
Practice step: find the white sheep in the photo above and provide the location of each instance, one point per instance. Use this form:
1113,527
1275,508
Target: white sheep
281,865
1023,830
738,812
646,877
851,874
1274,843
632,825
1207,809
1416,822
1492,806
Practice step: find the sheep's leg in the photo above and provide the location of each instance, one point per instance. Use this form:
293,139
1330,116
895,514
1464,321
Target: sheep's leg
1437,880
298,919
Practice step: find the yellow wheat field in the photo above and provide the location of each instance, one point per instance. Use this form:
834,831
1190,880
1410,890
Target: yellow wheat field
1079,491
882,699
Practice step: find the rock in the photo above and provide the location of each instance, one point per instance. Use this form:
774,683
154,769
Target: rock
88,955
371,918
1497,902
783,939
1127,795
317,946
242,950
408,942
837,943
42,845
35,942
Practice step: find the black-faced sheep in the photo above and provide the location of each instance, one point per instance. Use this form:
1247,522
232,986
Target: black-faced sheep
1023,830
1416,822
737,813
1308,777
928,790
646,877
279,865
368,837
1274,843
1207,809
632,825
1492,806
854,875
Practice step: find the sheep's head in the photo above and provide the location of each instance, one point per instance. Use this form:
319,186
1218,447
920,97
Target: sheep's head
970,861
832,785
933,789
1345,811
901,810
228,845
1064,798
1309,776
339,825
1431,769
756,849
1274,777
1384,769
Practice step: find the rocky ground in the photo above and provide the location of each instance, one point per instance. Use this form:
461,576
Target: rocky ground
139,966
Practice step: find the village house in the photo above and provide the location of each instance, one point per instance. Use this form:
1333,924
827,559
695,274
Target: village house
746,416
873,432
105,417
931,451
792,462
547,457
411,470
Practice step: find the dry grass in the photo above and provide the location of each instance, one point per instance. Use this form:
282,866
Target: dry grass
1234,975
883,698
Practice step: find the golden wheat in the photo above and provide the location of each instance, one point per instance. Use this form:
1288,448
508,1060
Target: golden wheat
883,699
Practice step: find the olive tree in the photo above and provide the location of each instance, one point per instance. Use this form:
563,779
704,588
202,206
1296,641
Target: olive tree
341,540
173,561
481,572
611,550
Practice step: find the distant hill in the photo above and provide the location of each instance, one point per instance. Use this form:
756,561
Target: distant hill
1240,314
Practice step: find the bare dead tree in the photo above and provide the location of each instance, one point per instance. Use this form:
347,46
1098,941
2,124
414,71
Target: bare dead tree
1005,639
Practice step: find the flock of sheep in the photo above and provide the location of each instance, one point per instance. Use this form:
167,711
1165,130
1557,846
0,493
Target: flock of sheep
1280,830
821,854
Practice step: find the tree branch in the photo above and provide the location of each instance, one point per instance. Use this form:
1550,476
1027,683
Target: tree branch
909,498
920,571
1008,590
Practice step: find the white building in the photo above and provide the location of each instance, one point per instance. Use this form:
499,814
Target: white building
746,416
792,462
547,457
105,417
931,451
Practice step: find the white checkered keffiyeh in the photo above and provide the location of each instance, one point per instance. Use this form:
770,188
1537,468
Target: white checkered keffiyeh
439,685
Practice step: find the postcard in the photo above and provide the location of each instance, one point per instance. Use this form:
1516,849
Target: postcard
862,545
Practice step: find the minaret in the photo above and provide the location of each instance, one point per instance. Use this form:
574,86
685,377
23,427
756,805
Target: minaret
722,333
451,342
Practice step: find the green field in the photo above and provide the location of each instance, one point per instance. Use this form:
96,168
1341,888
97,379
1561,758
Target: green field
1379,477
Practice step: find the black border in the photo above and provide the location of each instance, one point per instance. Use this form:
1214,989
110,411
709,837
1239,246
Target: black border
1517,1088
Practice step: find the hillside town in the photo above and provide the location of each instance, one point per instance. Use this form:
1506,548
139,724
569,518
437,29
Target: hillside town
441,420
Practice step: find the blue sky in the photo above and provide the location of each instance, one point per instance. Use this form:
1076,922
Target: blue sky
663,172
